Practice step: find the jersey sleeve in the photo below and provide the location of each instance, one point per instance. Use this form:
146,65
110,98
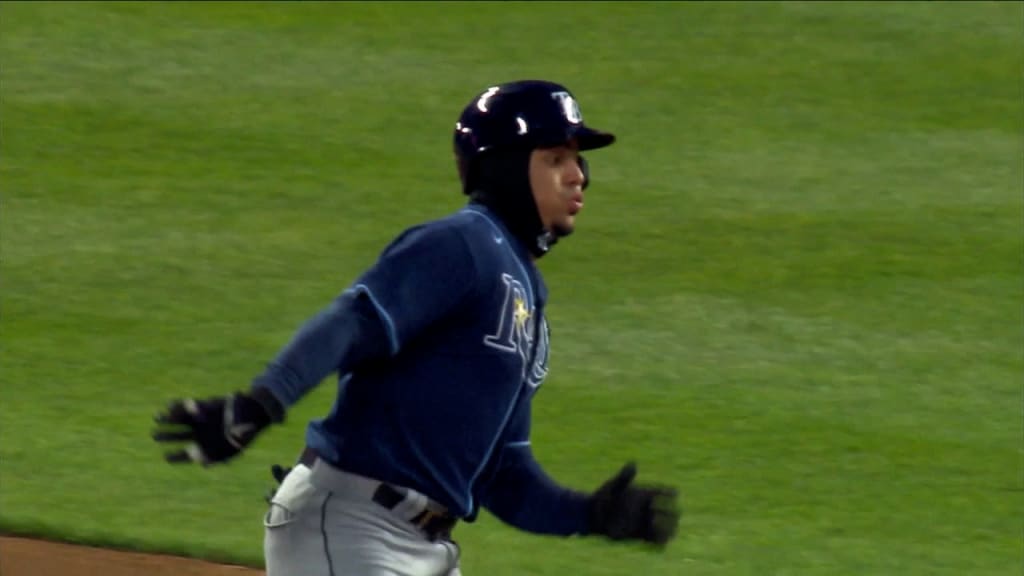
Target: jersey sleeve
419,278
522,494
343,335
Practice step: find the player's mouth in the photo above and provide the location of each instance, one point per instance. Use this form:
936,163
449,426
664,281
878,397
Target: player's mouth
576,204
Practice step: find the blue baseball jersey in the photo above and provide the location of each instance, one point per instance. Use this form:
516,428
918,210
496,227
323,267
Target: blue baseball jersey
445,407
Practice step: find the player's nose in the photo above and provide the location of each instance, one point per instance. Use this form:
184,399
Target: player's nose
574,177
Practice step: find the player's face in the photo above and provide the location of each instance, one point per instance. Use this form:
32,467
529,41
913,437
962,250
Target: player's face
557,183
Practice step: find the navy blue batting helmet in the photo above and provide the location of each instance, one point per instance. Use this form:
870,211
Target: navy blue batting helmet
526,114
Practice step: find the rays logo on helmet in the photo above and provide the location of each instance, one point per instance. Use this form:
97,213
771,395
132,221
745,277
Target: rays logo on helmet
570,108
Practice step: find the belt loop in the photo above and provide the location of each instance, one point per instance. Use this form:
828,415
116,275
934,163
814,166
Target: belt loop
413,504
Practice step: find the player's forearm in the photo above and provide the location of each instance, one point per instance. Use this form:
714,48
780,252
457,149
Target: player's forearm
524,496
345,334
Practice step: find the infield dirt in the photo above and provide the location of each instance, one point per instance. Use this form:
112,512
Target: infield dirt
29,557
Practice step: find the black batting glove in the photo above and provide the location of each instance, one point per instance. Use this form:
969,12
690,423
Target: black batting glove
216,429
621,510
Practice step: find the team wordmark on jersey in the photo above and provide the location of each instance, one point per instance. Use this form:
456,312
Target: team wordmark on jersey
540,359
515,332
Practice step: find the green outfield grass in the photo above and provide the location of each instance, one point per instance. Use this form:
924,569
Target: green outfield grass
795,292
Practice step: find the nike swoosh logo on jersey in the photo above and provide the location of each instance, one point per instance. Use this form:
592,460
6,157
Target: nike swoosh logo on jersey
498,239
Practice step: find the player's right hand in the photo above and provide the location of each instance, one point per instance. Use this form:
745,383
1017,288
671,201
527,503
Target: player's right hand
621,510
215,429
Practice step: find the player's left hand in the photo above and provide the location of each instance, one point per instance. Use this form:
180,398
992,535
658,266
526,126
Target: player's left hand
622,510
216,429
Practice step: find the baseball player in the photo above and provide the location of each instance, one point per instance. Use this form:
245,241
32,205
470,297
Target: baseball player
439,348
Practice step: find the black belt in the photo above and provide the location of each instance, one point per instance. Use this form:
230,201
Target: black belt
434,525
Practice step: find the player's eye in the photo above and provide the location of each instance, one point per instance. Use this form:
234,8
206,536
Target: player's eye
560,156
557,159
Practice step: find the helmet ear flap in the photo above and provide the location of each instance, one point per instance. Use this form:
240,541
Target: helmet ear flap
462,165
469,172
585,167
